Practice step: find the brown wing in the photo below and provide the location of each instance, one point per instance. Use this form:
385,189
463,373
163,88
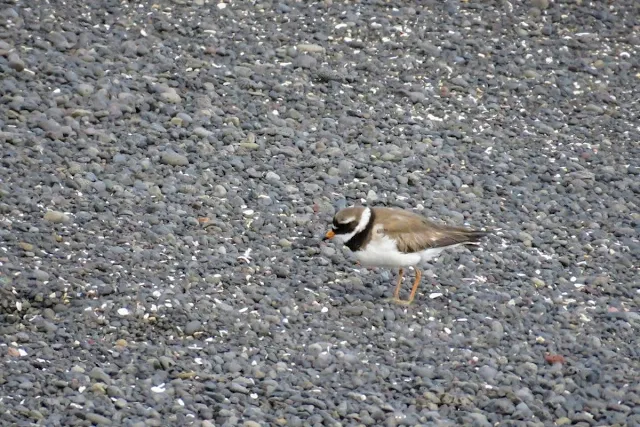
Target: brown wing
415,233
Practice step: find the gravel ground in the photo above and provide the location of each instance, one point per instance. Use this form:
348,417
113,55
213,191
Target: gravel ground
168,170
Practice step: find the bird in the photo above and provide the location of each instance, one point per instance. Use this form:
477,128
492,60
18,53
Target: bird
396,238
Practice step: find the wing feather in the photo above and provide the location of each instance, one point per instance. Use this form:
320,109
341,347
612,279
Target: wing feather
415,233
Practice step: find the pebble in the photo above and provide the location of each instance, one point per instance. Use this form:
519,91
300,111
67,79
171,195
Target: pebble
16,63
84,89
488,373
100,375
174,159
305,61
219,191
98,419
192,327
56,217
171,96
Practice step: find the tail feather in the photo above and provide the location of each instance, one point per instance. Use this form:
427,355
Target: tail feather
474,236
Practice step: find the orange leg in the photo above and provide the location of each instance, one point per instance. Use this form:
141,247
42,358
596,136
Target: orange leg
416,283
396,293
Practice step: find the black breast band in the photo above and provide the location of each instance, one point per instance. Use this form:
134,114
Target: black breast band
361,238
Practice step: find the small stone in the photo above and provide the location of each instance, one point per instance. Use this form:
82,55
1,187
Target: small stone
26,246
538,283
202,132
497,328
113,391
310,48
479,419
84,89
524,394
284,243
174,159
219,191
503,406
193,327
97,419
79,112
563,421
488,373
540,4
171,96
232,367
345,166
13,352
594,108
16,63
40,275
56,217
272,176
305,61
242,71
323,360
166,362
523,235
238,388
98,374
249,145
98,388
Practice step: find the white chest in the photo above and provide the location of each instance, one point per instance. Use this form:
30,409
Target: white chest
383,252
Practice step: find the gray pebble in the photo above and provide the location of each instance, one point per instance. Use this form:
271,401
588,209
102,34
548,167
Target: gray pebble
174,159
56,217
192,327
99,375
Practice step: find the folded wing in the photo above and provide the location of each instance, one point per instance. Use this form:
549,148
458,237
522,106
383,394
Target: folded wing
415,233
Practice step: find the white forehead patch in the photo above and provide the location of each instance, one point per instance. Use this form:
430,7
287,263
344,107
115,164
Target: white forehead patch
347,220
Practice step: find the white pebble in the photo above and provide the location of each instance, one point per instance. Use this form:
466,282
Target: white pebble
123,311
324,310
434,295
158,389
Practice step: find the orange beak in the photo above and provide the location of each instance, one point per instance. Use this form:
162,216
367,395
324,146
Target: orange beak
330,235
